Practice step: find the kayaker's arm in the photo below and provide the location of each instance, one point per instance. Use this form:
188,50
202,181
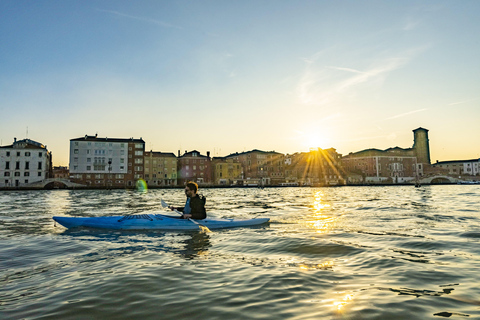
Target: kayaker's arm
176,208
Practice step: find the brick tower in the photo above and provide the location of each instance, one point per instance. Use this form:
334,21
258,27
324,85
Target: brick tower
421,145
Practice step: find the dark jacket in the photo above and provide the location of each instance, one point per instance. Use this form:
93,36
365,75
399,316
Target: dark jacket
197,206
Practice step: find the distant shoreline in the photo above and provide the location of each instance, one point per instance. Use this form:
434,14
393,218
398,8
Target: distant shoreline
232,187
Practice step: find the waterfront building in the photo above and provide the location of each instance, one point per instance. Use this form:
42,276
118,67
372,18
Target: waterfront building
226,171
193,166
24,162
261,167
317,167
106,162
160,169
460,167
393,165
61,173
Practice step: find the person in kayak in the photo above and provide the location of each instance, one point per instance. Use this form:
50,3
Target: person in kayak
195,205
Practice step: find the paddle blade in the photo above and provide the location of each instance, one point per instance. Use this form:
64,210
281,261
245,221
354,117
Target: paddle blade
164,204
204,228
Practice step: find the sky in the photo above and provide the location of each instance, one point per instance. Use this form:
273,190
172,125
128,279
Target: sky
233,76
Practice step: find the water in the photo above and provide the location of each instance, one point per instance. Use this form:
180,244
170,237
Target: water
328,253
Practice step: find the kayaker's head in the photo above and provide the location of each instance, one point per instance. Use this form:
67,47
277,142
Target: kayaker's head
191,189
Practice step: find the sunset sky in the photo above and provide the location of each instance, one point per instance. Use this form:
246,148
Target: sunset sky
232,76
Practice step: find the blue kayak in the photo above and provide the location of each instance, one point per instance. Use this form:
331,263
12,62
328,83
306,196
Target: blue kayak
153,222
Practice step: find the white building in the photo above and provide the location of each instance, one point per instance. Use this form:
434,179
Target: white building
106,162
24,162
460,167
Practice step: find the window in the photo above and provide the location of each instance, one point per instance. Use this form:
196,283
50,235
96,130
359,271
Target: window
139,153
138,146
39,166
27,154
39,174
8,153
17,174
26,174
27,165
17,165
7,165
18,154
6,174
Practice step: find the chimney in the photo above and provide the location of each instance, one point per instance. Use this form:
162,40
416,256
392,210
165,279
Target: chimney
14,140
208,154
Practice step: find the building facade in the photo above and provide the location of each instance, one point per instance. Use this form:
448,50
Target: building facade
60,173
193,166
261,167
24,162
106,162
317,167
226,171
393,165
460,167
377,167
160,169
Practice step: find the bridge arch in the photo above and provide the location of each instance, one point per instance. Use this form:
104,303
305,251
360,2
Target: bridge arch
55,185
438,180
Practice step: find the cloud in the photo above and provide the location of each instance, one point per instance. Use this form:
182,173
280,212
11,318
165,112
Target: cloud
143,19
346,69
320,85
462,102
406,114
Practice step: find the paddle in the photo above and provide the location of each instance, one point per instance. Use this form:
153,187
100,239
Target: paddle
201,226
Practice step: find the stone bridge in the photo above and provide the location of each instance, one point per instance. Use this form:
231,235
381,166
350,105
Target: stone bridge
438,179
55,182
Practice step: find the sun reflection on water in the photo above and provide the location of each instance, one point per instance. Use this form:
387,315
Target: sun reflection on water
321,222
318,203
320,266
340,304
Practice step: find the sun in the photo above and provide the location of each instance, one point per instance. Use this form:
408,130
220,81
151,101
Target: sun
316,140
312,136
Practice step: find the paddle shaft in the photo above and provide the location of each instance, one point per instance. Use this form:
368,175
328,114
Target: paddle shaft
165,205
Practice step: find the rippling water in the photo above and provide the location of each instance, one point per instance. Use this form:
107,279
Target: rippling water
328,253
